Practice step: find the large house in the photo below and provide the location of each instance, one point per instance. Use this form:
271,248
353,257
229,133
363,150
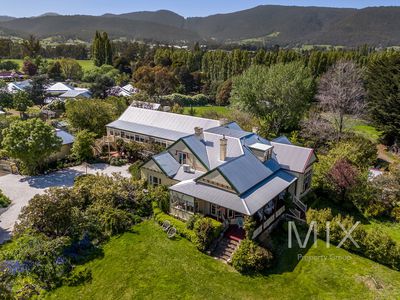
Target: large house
153,126
228,173
19,86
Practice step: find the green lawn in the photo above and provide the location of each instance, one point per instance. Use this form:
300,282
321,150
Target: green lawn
86,64
201,110
145,264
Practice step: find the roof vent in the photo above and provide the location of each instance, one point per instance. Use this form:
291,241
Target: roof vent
187,169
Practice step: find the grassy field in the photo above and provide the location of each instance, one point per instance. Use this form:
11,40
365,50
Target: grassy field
145,264
201,110
86,64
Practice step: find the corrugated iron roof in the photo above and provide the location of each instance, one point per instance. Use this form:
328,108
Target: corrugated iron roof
167,163
291,157
248,203
148,130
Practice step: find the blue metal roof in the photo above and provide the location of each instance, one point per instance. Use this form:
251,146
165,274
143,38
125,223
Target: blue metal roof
167,163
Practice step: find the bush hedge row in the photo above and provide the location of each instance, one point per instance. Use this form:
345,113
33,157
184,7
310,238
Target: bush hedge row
201,232
373,244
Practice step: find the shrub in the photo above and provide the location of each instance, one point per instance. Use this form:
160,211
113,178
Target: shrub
382,248
192,220
180,226
396,213
116,161
78,276
206,230
4,200
250,257
134,169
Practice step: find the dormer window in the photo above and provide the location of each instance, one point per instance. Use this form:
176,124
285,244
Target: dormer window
262,151
182,157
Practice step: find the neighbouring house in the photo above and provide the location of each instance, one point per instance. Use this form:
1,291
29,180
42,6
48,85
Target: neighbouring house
11,75
67,142
75,94
18,86
153,126
227,173
146,105
123,91
58,89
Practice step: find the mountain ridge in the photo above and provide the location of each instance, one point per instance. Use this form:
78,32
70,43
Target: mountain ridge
269,24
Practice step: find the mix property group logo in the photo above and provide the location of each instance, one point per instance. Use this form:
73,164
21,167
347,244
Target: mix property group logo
313,228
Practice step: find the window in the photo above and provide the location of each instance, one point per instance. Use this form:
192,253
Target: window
182,157
183,202
231,214
122,134
307,181
154,180
111,132
213,209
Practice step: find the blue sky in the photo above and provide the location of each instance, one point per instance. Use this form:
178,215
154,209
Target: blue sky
20,8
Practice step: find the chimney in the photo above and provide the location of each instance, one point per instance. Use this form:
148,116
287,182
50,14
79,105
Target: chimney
255,130
198,132
223,121
223,147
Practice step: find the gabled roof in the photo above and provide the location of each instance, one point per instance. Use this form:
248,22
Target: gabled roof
167,163
66,137
248,203
246,171
76,93
163,125
59,87
293,158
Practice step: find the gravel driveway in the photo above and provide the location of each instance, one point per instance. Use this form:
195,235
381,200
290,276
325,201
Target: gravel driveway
20,189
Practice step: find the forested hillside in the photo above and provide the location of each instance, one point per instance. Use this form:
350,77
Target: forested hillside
266,24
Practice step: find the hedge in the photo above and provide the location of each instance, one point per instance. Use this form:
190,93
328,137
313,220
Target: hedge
180,226
4,200
205,229
250,257
373,244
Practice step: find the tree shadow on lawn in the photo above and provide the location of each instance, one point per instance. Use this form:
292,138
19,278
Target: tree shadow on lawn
285,258
322,201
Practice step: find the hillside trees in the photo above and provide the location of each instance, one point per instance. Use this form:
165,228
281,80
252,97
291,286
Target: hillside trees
32,142
31,47
341,93
383,83
278,95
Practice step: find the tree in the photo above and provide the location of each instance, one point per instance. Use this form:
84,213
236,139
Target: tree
71,69
383,85
37,90
101,86
6,99
82,148
32,142
21,102
341,93
54,72
101,49
29,67
343,176
224,93
278,95
90,114
31,46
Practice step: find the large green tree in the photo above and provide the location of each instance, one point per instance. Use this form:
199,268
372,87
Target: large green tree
383,85
32,142
82,148
278,95
102,52
21,102
92,115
